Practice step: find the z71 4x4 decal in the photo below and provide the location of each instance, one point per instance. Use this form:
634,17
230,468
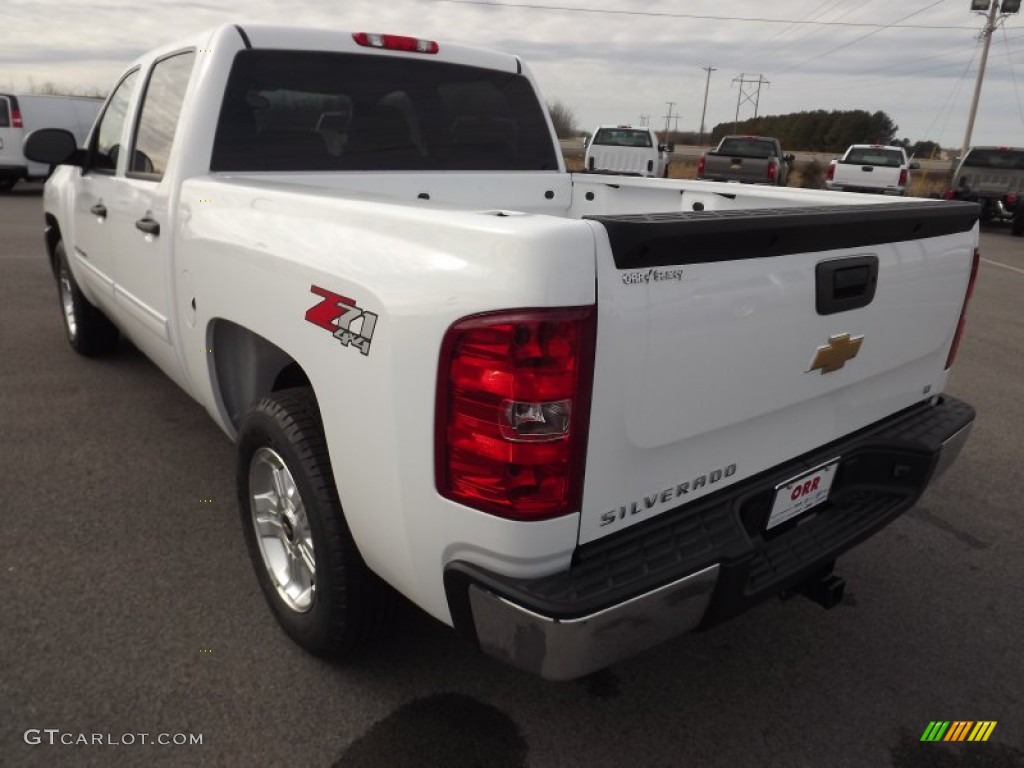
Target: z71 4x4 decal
337,313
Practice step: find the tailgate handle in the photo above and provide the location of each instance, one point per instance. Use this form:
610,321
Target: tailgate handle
99,210
867,168
845,284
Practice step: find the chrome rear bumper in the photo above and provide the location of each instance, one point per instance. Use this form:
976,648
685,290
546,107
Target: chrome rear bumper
567,649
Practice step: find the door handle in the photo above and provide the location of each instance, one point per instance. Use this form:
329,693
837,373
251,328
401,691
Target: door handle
148,225
99,210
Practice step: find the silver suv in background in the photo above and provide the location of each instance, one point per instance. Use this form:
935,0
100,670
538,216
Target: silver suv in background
994,178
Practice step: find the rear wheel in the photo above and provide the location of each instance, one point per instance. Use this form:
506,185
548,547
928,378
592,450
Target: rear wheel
89,331
307,564
6,185
1018,220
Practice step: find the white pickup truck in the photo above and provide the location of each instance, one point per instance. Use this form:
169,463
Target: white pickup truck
871,168
570,415
623,149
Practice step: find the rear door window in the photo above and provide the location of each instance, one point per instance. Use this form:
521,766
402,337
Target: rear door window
106,142
158,119
314,111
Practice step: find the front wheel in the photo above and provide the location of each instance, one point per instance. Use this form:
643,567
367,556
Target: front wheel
307,564
89,331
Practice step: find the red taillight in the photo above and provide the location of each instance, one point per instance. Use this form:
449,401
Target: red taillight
773,171
700,166
395,42
513,411
831,172
963,311
16,119
1011,199
904,175
949,194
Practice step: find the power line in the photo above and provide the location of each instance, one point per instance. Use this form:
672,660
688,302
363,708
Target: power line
706,17
863,37
947,105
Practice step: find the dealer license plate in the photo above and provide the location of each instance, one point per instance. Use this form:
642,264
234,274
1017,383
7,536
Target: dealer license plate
803,492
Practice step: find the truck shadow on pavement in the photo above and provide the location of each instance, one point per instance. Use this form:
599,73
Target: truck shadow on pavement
448,729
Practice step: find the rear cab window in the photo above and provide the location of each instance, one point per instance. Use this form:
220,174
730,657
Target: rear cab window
890,158
320,111
623,137
996,158
5,113
747,148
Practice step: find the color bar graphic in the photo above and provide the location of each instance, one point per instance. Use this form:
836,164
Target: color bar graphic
958,730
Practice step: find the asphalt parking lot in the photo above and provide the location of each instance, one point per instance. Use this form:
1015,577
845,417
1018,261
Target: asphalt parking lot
129,607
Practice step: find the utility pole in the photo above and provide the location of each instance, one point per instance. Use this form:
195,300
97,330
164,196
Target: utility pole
990,26
704,112
747,94
668,117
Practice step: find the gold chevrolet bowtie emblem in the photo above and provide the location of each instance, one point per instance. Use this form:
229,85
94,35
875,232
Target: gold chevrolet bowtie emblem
834,355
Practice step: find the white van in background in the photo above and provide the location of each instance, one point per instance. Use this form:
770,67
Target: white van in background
626,150
23,113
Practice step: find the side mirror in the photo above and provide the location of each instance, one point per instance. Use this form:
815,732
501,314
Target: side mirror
586,142
915,166
670,147
789,158
52,146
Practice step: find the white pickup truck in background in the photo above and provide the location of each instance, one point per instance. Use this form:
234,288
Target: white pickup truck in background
871,168
572,415
623,149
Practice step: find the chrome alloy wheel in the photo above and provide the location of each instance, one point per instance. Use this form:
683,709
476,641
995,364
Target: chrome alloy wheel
67,302
282,529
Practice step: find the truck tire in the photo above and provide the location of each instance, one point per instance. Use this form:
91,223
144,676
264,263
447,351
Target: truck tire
311,573
6,185
1018,220
89,331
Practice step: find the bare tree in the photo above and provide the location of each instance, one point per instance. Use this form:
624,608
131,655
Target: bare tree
564,119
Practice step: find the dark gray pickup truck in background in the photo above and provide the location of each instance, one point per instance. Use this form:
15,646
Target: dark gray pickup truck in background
750,159
994,178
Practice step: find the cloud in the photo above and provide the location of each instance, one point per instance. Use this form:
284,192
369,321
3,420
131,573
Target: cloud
609,67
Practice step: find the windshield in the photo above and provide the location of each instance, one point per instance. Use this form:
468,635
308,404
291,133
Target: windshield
622,137
1003,159
313,111
891,158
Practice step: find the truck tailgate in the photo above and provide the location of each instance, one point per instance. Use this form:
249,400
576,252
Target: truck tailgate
729,342
868,176
750,170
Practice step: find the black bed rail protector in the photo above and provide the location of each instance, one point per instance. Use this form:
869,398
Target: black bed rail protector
699,237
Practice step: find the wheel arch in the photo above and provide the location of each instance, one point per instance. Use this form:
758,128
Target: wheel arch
246,367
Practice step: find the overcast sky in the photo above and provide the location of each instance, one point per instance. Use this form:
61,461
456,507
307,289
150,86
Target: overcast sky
914,59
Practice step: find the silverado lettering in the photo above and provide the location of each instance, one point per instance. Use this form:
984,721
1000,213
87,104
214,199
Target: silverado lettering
668,494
